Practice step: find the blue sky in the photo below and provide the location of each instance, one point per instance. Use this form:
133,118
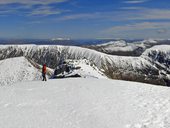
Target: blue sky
85,19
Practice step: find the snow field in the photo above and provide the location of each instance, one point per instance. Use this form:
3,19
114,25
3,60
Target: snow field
82,103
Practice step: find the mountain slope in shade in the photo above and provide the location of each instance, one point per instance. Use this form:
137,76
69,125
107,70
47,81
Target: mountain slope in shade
84,103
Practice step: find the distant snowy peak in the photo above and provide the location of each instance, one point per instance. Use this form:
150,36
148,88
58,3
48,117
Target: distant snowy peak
114,47
123,43
120,43
126,48
149,41
160,53
157,51
18,69
60,39
159,48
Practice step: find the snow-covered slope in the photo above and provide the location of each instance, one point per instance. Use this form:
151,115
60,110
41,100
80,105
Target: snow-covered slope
84,103
160,56
142,69
84,68
122,47
16,70
20,69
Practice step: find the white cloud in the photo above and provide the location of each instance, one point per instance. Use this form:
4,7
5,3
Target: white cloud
105,16
45,11
132,8
138,26
140,30
152,14
135,1
31,1
124,14
162,31
26,7
80,16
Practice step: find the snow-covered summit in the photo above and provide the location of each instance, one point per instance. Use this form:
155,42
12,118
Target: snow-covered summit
16,70
158,48
84,103
120,43
126,48
60,39
160,53
149,41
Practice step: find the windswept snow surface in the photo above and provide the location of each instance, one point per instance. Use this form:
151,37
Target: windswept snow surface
84,103
17,69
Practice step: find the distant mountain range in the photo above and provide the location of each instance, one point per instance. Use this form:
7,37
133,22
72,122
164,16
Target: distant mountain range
127,48
152,66
61,41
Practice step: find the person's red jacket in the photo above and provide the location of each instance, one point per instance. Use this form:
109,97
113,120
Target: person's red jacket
44,70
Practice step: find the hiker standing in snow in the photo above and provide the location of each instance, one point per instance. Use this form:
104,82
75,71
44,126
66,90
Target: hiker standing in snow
44,70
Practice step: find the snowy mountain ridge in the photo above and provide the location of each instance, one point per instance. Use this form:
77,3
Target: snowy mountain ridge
19,69
142,69
127,48
115,43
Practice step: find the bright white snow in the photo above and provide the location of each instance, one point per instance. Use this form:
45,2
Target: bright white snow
84,103
87,69
80,102
17,69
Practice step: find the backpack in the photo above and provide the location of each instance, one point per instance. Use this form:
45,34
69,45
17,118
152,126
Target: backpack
44,69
